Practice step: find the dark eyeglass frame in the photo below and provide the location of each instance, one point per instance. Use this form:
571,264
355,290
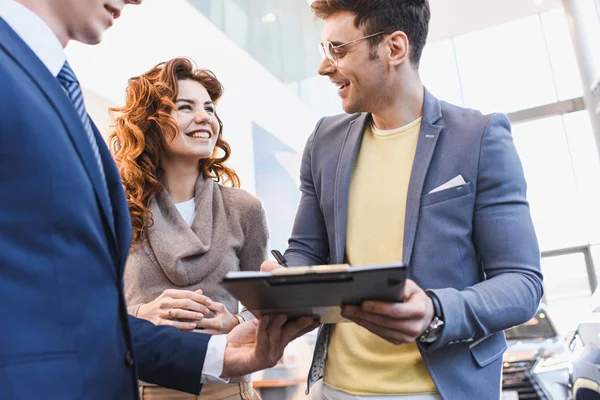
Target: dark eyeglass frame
327,49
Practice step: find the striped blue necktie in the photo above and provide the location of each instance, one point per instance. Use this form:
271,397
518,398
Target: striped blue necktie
69,81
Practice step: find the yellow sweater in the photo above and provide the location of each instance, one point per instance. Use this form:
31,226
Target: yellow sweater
358,361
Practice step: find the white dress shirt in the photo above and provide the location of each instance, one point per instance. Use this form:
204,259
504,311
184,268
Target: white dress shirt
44,43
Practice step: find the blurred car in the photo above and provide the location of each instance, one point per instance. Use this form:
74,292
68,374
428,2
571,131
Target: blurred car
584,379
536,362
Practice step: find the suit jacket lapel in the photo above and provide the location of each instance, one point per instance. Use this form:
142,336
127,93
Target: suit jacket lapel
57,98
121,226
428,138
345,164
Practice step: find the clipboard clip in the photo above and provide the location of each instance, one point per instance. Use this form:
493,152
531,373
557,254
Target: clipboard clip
315,269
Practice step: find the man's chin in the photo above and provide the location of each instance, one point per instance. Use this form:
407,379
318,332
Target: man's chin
350,108
90,37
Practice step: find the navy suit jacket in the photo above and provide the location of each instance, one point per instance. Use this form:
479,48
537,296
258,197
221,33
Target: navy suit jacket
473,245
64,328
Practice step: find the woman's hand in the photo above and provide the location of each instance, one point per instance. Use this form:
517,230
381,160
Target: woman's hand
222,322
179,308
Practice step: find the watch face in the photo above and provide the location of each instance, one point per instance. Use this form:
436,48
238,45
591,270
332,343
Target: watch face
432,332
438,322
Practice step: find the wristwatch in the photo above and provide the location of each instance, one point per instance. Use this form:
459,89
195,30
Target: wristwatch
437,323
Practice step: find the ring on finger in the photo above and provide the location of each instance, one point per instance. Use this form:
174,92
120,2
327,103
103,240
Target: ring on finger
169,313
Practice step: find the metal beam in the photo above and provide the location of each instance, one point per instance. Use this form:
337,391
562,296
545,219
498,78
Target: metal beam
591,269
547,110
584,48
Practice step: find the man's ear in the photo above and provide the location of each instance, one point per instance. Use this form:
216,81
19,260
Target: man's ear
398,48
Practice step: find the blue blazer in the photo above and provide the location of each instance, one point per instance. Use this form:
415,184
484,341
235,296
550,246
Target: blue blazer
64,328
473,245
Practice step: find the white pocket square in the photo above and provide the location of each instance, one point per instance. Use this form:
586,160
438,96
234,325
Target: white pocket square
454,182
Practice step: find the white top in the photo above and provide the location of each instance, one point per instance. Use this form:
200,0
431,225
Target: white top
187,209
386,132
44,43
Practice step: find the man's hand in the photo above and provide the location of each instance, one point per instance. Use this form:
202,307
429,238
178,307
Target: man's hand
256,345
268,266
397,323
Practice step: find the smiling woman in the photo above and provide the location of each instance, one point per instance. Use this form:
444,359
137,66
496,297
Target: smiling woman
151,132
191,222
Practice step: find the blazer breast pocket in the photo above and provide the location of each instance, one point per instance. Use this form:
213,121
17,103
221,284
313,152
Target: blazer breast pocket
447,194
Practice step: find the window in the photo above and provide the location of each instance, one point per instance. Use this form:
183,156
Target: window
562,56
567,289
584,154
439,73
505,67
553,192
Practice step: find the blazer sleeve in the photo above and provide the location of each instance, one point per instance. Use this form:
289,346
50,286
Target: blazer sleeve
308,244
507,246
167,356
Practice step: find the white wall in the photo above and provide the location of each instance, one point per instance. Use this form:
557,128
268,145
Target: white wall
159,30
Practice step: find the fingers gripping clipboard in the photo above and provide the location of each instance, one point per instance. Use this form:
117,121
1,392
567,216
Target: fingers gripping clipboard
317,290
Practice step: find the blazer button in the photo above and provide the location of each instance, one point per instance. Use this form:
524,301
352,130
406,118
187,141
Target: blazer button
128,359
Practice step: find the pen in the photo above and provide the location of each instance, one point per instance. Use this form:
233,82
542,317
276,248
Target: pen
279,257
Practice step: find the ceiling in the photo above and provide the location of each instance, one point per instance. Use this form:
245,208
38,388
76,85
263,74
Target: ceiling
454,17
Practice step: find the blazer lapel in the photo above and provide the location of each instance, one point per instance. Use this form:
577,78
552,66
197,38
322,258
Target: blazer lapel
428,138
121,226
57,98
345,165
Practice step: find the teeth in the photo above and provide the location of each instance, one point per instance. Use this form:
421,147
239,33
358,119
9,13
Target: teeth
200,135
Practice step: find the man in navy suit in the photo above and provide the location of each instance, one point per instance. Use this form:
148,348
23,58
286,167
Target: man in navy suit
65,233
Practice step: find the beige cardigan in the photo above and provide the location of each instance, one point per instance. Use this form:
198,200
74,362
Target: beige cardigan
229,233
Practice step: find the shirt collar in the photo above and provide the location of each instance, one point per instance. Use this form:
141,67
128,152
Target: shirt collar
35,33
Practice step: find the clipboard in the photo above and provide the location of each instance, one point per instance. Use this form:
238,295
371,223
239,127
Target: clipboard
317,290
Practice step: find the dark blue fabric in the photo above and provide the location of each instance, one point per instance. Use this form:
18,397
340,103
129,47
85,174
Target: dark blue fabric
64,329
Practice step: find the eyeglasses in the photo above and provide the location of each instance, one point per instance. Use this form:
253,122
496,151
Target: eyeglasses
327,49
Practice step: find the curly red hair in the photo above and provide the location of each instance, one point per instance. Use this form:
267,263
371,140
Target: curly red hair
142,127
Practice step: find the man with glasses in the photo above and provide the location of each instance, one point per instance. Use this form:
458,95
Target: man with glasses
405,176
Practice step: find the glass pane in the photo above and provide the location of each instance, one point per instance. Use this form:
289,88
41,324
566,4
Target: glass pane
505,67
281,35
562,56
586,163
553,194
558,283
320,94
567,290
439,73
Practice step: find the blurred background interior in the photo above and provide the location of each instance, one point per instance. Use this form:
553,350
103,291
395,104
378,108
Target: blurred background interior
538,61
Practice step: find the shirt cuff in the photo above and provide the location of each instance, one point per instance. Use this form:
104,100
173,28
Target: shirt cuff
213,362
